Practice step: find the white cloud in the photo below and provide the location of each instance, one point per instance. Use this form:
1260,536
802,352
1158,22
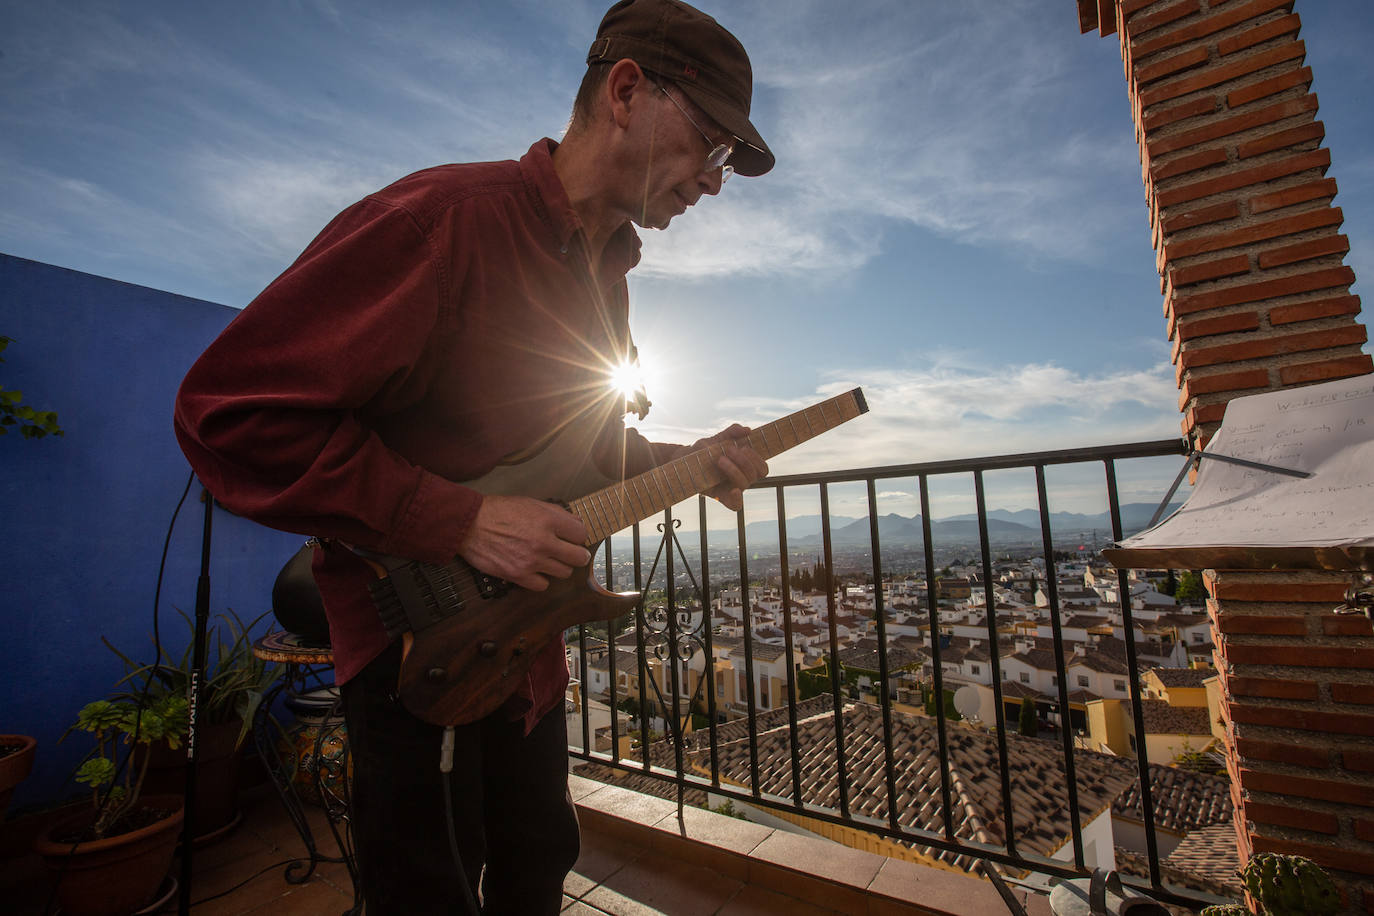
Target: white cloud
948,413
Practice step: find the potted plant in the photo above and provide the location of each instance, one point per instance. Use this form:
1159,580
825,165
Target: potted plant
111,859
232,689
16,760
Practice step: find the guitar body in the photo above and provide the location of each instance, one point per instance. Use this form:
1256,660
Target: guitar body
465,666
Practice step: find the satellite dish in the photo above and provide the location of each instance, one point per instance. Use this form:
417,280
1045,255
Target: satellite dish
966,701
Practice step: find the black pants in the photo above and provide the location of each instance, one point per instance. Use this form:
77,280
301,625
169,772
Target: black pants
511,808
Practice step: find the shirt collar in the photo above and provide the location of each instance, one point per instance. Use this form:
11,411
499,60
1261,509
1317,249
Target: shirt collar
622,250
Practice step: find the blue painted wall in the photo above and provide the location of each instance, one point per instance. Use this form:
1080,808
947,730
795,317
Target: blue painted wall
83,517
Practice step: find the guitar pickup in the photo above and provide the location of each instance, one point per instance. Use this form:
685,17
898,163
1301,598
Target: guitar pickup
414,596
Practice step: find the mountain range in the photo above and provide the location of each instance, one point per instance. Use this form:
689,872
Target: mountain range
1004,526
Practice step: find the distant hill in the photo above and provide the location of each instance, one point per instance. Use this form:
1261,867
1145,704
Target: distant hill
1004,526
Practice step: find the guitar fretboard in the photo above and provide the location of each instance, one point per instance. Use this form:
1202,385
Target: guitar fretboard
620,505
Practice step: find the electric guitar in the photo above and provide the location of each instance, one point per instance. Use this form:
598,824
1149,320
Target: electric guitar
469,638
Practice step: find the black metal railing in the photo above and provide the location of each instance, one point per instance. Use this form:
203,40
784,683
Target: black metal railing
669,658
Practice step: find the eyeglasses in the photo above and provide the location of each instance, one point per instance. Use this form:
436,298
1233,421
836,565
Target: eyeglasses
720,152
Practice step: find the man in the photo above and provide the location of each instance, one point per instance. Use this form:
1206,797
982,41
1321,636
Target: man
449,324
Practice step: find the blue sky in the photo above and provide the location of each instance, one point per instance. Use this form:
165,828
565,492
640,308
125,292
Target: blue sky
956,221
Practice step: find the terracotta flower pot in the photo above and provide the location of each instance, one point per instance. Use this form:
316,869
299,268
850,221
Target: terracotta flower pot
115,876
216,805
15,766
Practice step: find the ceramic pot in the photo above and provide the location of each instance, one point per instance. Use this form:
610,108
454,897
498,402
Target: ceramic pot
216,805
317,745
115,876
15,766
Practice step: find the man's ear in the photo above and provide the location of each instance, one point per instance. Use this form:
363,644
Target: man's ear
624,80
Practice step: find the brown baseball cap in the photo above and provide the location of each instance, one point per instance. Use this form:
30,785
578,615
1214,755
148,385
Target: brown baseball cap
681,44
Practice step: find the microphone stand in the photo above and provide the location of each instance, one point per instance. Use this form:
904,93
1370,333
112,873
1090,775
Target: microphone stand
193,706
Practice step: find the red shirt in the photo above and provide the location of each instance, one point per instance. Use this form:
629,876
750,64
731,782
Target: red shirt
430,330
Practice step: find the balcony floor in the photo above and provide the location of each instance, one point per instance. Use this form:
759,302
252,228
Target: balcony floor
613,876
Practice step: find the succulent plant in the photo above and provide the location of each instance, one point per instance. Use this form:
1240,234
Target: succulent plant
1290,886
1225,909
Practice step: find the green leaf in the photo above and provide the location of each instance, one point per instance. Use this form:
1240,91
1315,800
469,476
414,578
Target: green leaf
96,772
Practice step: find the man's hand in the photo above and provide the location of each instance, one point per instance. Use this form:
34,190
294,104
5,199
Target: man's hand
525,541
740,464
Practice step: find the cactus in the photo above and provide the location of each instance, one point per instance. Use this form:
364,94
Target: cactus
1290,886
1226,909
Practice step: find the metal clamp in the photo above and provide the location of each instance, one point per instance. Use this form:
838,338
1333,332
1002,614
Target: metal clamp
1359,597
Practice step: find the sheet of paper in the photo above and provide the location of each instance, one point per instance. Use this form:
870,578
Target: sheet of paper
1327,430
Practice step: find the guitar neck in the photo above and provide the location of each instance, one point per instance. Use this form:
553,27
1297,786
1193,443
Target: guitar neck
620,505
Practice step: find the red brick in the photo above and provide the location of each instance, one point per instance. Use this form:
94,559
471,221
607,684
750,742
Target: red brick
1330,857
1358,759
1257,625
1226,589
1326,278
1217,74
1225,324
1223,381
1283,139
1364,830
1312,190
1325,339
1210,270
1256,232
1284,816
1161,117
1308,787
1271,86
1260,174
1317,308
1211,413
1228,210
1347,367
1302,656
1304,251
1235,124
1347,625
1272,688
1206,26
1190,163
1302,755
1171,65
1357,694
1139,25
1285,25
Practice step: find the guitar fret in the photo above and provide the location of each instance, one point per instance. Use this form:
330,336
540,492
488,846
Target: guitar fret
596,520
665,493
686,485
623,508
648,507
603,508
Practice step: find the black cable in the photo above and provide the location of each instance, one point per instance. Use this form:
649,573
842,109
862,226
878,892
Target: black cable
143,692
257,874
445,771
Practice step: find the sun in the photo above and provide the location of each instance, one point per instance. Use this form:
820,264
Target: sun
627,378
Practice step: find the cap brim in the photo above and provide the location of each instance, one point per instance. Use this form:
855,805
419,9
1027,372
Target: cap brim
752,157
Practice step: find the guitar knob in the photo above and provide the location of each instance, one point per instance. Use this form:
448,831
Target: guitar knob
487,649
435,674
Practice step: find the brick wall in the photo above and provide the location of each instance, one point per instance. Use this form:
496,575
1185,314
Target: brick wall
1256,297
1299,718
1242,215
